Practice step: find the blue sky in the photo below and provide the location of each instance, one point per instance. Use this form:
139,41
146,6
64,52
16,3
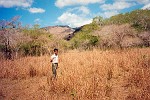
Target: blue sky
73,13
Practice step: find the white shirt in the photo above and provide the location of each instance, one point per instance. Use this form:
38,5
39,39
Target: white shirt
54,58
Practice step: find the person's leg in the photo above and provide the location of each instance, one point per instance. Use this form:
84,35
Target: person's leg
54,67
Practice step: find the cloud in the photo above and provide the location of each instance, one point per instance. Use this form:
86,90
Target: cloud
137,1
75,17
15,3
109,14
37,21
106,14
73,20
113,9
143,1
116,6
146,3
84,9
146,7
36,10
79,10
63,3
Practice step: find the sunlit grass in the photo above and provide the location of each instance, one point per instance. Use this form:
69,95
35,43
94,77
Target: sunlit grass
101,75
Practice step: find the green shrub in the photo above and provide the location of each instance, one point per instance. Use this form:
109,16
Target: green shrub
84,38
33,49
36,43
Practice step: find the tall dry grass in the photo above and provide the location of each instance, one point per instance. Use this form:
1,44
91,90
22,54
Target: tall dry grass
89,75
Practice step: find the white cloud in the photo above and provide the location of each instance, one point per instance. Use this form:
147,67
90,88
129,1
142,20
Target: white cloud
84,9
36,10
75,17
116,6
79,10
147,6
109,14
73,20
38,20
15,3
63,3
143,1
137,1
106,14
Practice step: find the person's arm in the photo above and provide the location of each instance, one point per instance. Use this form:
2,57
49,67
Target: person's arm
52,58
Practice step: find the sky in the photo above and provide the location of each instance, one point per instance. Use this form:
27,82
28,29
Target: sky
73,13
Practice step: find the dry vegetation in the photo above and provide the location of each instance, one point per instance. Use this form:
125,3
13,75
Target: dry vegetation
88,75
120,35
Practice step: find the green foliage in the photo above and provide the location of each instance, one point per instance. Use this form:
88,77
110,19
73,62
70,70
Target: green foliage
139,19
98,20
90,27
36,43
64,45
84,38
32,48
36,33
93,40
2,47
36,26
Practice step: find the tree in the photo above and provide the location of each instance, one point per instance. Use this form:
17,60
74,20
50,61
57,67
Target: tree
98,20
38,42
9,35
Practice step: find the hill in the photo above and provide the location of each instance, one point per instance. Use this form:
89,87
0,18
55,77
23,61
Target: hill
59,31
131,29
124,30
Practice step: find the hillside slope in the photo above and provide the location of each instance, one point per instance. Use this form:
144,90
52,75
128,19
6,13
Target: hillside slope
59,31
124,30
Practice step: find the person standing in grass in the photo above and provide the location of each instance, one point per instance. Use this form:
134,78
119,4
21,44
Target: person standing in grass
54,60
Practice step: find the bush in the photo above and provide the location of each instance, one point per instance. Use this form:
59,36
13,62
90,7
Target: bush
36,44
33,49
85,38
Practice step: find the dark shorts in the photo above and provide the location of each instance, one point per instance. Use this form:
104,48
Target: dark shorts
54,67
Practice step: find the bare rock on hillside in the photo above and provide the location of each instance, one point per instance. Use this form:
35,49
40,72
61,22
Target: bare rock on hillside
70,36
59,31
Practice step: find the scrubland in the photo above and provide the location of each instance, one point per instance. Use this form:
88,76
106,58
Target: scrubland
82,75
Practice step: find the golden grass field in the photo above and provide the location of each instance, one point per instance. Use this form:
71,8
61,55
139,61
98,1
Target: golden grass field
86,75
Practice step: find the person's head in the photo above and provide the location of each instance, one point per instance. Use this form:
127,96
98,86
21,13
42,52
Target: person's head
56,51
